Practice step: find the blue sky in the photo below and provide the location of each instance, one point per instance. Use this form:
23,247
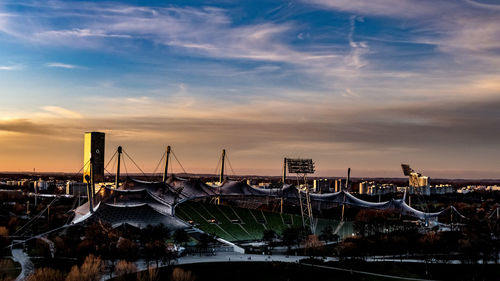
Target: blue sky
365,84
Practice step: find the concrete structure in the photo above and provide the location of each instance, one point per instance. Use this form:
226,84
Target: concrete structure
94,149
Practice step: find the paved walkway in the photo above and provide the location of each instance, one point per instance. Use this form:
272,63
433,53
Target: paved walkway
237,257
26,265
367,273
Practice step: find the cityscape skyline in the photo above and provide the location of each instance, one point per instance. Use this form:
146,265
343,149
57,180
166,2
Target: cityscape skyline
366,85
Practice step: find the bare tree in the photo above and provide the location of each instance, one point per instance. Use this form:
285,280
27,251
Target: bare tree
91,270
179,274
124,268
46,274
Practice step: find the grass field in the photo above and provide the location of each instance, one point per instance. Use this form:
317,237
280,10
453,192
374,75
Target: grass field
239,224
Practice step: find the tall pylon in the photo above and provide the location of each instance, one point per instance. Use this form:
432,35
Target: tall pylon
346,189
167,158
223,158
119,150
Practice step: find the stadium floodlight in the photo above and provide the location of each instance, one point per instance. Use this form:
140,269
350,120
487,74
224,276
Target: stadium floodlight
406,169
300,166
303,167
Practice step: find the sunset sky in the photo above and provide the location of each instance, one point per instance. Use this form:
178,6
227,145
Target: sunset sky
349,83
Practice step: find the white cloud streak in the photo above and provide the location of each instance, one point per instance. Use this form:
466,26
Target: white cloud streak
10,67
58,111
61,65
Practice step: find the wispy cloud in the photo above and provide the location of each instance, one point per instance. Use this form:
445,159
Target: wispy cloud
392,8
62,112
62,65
421,128
201,32
358,49
76,32
10,67
363,80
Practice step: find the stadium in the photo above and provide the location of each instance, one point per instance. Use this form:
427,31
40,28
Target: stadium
230,210
239,215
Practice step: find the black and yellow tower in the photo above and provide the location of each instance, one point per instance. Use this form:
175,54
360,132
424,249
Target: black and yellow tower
94,149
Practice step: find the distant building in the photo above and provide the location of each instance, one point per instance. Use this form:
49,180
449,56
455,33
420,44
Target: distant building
321,186
76,188
251,182
416,182
423,181
41,185
363,187
338,185
94,148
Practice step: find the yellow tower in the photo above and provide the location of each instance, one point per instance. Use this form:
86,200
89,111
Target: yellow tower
94,148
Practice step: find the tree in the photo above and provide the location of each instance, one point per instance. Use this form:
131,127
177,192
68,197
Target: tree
313,246
46,274
124,268
127,249
268,235
327,234
148,275
91,270
346,249
152,233
156,251
181,237
179,274
290,236
170,254
203,242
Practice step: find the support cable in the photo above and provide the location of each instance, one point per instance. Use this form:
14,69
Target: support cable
217,167
111,159
112,168
171,167
176,159
159,163
77,173
230,166
125,166
36,217
108,172
135,164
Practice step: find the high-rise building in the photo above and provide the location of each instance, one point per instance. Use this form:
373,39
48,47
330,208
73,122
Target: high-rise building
338,185
94,148
363,187
321,186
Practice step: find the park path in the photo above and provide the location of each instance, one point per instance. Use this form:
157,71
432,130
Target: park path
26,265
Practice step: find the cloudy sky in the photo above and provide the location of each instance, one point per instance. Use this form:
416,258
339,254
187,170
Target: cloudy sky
349,83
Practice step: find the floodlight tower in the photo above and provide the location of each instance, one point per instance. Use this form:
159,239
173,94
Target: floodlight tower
417,182
303,167
283,186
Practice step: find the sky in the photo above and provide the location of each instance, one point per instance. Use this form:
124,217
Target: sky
349,83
